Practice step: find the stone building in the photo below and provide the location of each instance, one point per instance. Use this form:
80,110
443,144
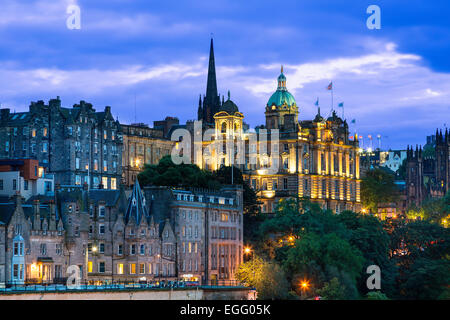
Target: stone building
142,145
428,176
78,145
208,227
159,234
316,158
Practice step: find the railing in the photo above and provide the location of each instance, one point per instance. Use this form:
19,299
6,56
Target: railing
59,285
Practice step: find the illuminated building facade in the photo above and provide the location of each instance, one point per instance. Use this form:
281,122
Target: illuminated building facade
316,159
141,145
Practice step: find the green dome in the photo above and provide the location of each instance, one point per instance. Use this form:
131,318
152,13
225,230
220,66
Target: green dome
280,98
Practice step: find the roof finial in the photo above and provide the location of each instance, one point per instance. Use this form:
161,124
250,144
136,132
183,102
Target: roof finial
228,94
281,68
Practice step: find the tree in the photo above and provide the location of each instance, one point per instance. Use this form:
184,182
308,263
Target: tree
427,280
368,235
332,290
322,257
376,295
377,187
266,276
166,173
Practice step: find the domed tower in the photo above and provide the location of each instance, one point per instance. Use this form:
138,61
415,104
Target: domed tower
228,127
281,110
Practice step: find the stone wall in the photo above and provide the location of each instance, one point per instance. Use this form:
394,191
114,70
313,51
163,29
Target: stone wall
178,294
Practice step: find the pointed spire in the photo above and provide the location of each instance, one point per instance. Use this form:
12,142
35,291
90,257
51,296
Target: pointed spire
212,97
137,208
229,95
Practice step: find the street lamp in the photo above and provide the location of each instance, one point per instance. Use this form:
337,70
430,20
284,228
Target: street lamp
304,285
94,249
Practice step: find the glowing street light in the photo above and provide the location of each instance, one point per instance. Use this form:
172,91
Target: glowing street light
304,285
247,250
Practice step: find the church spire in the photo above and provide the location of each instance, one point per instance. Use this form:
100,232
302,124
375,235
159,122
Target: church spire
212,99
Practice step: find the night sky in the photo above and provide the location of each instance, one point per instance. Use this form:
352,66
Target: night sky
393,81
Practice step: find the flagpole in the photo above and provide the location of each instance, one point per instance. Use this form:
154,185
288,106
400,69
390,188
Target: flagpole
331,97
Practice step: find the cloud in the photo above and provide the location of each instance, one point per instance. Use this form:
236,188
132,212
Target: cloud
386,90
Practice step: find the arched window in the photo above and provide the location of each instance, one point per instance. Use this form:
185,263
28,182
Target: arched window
224,127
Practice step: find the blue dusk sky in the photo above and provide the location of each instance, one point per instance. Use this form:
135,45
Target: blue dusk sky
394,81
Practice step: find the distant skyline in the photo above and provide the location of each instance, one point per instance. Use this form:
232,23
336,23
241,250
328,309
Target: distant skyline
394,81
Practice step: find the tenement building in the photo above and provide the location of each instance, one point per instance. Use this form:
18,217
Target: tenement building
78,145
153,235
313,159
142,145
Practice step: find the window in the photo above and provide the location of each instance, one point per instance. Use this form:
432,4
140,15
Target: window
77,163
132,268
102,248
286,163
105,182
105,165
120,268
90,266
113,183
105,134
285,183
142,249
25,185
101,211
119,249
1,184
101,229
77,180
43,249
58,249
101,267
274,184
142,268
44,147
18,248
18,272
336,189
14,184
133,249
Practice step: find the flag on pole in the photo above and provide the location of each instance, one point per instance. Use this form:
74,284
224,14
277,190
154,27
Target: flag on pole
330,86
317,102
341,105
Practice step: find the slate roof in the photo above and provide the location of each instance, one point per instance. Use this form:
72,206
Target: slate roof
137,206
109,196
